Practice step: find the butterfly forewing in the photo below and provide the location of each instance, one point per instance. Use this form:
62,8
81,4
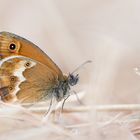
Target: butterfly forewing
11,44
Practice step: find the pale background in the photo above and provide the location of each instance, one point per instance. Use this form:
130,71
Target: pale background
71,32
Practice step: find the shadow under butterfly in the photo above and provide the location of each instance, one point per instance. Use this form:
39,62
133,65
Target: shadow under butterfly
28,75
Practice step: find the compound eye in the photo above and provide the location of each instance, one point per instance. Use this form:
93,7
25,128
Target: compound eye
73,79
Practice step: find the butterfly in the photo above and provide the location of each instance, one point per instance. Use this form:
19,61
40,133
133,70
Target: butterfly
29,75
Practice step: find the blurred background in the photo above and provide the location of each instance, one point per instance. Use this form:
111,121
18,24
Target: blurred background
71,32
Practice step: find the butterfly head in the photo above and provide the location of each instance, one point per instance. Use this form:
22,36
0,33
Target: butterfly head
64,86
73,79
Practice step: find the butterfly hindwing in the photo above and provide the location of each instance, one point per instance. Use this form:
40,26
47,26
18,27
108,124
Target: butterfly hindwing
25,79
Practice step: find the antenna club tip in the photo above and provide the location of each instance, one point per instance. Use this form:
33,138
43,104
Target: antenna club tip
89,61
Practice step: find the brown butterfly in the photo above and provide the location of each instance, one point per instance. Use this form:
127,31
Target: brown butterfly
28,74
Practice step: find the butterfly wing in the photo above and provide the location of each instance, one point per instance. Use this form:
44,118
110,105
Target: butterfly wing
11,44
25,79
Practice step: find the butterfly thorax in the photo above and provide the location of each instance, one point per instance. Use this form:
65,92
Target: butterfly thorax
62,91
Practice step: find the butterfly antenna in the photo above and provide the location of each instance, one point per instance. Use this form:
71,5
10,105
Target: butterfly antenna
64,103
86,62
